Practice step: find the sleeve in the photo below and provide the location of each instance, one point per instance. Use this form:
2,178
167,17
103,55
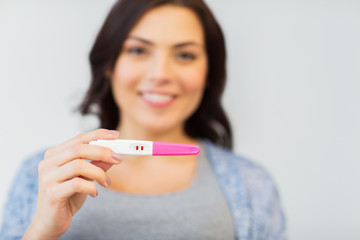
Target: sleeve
268,216
21,202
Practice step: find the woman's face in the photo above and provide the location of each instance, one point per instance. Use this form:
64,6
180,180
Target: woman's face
159,77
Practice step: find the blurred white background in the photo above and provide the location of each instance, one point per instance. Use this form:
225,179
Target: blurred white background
293,95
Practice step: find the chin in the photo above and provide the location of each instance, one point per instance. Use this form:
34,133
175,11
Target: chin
161,126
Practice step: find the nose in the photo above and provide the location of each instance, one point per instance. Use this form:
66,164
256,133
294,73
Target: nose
160,70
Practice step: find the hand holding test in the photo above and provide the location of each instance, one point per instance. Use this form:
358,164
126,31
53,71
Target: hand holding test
137,147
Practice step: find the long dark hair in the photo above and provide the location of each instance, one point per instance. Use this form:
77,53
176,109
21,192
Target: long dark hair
209,121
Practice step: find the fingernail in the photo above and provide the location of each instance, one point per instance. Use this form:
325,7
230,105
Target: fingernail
108,181
117,157
114,132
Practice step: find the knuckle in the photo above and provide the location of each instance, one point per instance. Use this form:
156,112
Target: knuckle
44,180
77,165
105,153
109,153
81,135
101,130
41,166
77,149
49,152
75,183
100,174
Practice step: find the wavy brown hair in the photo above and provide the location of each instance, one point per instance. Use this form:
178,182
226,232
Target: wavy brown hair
209,121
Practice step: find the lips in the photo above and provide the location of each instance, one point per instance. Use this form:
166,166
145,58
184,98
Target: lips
157,99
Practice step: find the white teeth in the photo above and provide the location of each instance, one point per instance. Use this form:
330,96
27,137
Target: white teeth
158,98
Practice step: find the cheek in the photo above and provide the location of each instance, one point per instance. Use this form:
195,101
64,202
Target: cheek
124,76
195,80
123,81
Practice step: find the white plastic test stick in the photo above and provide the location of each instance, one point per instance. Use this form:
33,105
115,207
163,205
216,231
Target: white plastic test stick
139,147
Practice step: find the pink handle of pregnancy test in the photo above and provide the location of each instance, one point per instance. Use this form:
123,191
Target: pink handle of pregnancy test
170,149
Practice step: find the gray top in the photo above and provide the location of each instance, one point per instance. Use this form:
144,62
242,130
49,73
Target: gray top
198,212
248,188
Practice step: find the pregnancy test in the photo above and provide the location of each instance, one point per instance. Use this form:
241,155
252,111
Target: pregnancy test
137,147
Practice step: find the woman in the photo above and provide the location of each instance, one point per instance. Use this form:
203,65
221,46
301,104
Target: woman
158,72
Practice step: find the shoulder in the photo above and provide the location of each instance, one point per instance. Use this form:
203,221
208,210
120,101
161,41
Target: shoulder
256,180
33,160
250,171
21,201
251,193
28,169
25,182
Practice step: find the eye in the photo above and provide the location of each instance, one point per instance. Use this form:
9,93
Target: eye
137,51
186,56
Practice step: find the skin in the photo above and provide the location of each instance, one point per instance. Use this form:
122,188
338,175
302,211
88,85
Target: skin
164,55
170,60
167,50
65,180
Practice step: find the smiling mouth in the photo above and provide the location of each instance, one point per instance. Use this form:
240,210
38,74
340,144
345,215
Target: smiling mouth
157,99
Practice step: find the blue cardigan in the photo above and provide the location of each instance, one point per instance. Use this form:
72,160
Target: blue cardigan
248,188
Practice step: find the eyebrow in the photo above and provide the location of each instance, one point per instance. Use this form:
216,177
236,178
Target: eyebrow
179,45
141,40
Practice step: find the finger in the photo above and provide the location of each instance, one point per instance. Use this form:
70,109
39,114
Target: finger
75,185
83,138
86,151
95,135
104,166
81,168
